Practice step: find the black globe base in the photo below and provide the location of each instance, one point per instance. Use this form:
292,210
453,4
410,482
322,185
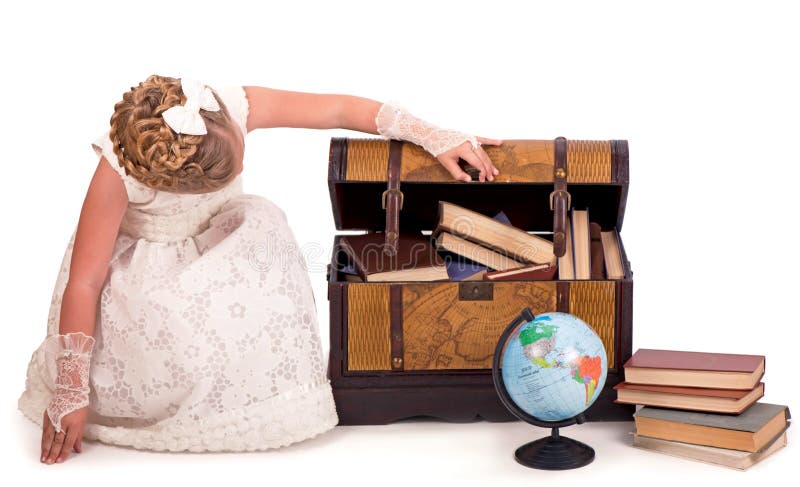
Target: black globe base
555,452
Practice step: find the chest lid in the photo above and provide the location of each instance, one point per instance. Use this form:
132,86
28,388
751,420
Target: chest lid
596,176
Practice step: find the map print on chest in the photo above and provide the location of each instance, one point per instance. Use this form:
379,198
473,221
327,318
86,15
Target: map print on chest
442,331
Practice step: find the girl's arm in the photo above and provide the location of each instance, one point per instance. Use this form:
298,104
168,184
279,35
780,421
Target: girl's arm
281,108
101,214
65,416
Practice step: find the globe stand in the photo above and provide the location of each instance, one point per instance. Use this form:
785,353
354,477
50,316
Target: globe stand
554,452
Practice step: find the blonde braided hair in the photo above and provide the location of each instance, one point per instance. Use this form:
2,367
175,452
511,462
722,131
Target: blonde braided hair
150,151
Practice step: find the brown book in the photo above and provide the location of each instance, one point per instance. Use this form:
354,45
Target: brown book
726,401
694,369
533,272
596,249
566,263
750,431
581,244
474,252
740,460
512,241
612,255
416,259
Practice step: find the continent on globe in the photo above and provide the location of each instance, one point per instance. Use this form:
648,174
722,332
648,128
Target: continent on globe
538,341
587,371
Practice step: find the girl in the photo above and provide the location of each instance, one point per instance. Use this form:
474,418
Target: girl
183,316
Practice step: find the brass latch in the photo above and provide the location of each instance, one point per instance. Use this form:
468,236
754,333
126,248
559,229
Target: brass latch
475,291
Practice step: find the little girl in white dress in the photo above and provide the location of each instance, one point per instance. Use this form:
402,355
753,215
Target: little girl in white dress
205,334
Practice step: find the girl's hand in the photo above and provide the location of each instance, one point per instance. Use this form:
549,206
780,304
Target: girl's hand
56,447
475,157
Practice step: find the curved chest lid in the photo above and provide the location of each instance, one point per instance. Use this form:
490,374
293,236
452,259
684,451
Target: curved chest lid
597,179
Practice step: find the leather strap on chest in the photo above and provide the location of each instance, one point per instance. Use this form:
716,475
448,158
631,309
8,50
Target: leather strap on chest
560,199
393,197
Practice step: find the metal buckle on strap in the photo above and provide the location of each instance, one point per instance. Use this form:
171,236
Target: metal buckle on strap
392,190
569,198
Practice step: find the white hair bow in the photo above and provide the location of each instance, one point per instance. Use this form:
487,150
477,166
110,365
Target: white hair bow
186,119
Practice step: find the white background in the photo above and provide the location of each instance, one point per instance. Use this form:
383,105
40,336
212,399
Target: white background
706,94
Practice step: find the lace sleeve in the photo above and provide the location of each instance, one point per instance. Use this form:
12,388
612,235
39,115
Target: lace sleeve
68,357
394,121
137,192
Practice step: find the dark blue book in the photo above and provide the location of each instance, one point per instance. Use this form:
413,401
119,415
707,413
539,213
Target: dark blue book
501,217
458,267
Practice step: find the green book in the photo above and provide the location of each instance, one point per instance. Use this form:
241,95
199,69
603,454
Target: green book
751,419
750,431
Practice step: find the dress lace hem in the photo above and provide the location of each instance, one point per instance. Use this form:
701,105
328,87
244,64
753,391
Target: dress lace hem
287,418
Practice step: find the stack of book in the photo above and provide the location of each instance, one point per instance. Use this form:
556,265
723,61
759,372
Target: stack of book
467,245
590,252
496,249
703,406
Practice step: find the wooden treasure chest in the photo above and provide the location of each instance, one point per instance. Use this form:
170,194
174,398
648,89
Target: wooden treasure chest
409,348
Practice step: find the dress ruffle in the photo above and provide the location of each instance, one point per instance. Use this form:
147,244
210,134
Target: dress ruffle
292,416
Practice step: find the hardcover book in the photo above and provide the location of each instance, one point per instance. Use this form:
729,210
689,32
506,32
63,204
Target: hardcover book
460,269
581,244
729,401
533,272
598,266
476,253
464,269
416,259
486,231
749,431
566,263
611,255
740,460
694,369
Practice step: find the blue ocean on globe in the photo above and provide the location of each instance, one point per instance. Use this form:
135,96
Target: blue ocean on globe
554,367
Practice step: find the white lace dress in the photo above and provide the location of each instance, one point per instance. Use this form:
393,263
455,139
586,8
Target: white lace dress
207,334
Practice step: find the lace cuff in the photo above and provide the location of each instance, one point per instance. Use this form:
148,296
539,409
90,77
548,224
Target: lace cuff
71,354
395,122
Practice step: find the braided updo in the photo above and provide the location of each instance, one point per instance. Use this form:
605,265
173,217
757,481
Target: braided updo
155,155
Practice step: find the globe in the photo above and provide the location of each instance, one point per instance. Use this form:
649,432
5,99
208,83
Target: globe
554,366
548,369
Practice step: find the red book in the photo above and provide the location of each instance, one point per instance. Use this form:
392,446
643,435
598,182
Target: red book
598,264
694,369
725,401
415,260
534,272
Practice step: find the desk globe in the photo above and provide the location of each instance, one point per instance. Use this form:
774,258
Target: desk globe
548,370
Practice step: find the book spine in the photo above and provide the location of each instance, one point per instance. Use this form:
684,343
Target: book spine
357,264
